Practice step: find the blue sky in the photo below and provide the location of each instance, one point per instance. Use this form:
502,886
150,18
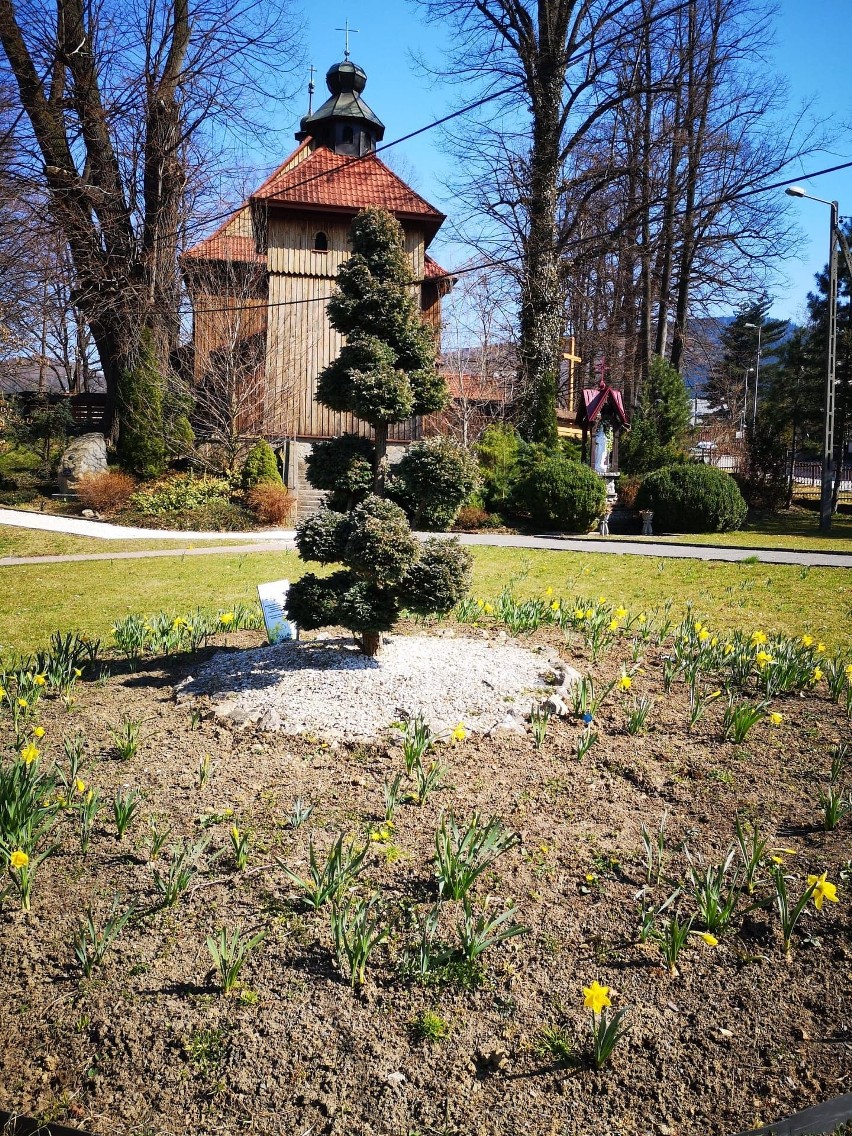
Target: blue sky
810,53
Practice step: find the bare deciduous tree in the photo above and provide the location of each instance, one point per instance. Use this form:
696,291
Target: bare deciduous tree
120,105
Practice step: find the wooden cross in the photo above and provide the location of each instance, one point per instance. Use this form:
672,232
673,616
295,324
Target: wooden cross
347,29
571,357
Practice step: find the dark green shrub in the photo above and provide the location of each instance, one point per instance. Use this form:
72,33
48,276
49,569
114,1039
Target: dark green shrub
314,601
660,424
379,546
141,390
344,467
386,371
498,452
260,465
692,498
438,579
432,481
321,537
558,493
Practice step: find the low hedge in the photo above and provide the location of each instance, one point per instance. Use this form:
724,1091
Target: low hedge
558,492
692,498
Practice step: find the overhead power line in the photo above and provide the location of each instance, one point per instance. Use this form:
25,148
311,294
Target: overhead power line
499,262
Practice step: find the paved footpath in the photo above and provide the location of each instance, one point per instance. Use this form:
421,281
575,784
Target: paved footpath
275,540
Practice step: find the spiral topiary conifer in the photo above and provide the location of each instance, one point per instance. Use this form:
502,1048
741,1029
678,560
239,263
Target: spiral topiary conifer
384,374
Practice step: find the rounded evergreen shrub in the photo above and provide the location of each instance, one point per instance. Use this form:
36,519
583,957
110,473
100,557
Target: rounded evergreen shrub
314,601
557,492
321,537
432,481
344,466
260,465
438,579
379,545
692,498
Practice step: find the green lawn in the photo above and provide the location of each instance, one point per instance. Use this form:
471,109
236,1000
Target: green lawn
33,542
89,596
797,530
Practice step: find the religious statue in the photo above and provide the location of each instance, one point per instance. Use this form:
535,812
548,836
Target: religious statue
602,450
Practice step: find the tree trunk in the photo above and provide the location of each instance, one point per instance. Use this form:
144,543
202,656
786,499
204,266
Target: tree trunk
372,643
380,460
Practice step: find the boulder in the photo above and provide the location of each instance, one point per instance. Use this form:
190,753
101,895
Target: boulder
86,454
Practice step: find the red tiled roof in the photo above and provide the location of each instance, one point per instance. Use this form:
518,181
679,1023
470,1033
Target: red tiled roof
433,271
327,180
475,388
223,246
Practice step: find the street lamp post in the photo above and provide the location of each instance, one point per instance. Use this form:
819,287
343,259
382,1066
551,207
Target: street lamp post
831,354
758,327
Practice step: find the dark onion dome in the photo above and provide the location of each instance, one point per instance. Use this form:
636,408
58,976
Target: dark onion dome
345,81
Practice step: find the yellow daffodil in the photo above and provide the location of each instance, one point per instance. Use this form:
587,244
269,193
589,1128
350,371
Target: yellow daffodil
777,860
620,612
728,648
703,634
709,939
823,889
227,618
643,617
787,851
807,640
601,599
625,682
848,671
595,997
758,638
590,877
762,658
613,625
235,832
459,733
775,718
479,601
29,754
820,648
2,691
80,786
589,612
817,675
39,680
77,672
38,731
19,859
555,605
548,592
579,613
488,608
544,848
699,627
714,642
22,702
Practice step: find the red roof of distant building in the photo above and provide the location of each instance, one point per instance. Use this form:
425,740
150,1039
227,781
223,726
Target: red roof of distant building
326,180
475,387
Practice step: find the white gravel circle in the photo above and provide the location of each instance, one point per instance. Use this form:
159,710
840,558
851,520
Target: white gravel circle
326,686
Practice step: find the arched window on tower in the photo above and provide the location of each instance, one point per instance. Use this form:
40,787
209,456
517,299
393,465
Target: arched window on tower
348,136
320,242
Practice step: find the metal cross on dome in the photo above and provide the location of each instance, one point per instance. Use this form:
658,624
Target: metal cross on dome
347,29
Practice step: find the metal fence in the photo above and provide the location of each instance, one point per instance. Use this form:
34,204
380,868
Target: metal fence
807,479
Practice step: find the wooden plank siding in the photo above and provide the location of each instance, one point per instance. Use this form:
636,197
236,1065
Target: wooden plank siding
300,341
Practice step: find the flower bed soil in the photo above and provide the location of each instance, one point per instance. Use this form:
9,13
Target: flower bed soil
740,1037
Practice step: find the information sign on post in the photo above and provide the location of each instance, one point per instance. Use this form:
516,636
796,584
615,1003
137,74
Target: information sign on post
273,603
